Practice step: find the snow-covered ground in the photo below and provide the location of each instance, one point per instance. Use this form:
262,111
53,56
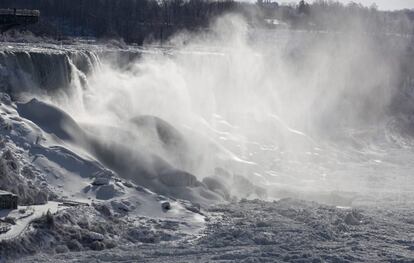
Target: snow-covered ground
39,163
284,231
23,223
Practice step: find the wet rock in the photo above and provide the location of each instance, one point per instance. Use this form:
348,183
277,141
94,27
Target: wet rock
178,178
87,237
120,206
195,208
166,206
5,98
10,161
343,227
128,184
10,220
215,185
352,219
74,245
106,192
109,244
41,198
262,224
84,223
103,209
101,181
61,249
97,245
143,235
28,173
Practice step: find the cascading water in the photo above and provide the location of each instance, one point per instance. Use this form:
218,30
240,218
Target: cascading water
305,112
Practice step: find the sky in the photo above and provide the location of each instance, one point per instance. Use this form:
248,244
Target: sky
382,4
387,4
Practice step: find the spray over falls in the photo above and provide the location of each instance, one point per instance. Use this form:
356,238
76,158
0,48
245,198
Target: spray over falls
228,113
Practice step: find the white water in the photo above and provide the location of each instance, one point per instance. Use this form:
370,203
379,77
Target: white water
293,111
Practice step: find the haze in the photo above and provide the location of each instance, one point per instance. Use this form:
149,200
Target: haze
387,4
382,4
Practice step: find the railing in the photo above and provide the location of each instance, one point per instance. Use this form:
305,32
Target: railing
20,12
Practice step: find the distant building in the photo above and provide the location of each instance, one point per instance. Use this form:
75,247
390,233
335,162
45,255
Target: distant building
267,3
276,23
8,200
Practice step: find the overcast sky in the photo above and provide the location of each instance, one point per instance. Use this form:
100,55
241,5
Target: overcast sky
382,4
387,4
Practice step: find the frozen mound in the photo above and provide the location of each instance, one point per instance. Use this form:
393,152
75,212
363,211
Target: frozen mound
51,120
163,133
230,185
150,170
145,169
129,161
41,161
37,165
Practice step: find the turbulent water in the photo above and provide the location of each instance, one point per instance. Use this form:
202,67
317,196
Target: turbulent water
298,113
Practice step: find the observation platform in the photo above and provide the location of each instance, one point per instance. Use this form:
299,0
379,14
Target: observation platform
10,18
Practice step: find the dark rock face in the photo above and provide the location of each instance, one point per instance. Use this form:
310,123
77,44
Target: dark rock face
177,178
353,218
74,245
52,120
166,206
165,132
103,209
217,186
167,136
61,249
97,245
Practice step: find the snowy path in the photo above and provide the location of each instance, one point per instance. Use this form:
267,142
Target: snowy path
22,224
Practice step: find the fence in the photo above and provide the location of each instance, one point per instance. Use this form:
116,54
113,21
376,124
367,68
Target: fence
20,12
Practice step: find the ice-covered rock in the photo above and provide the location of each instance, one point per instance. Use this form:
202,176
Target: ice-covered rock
165,132
103,209
106,192
120,206
97,245
177,178
193,207
52,120
61,249
216,185
93,236
353,218
166,206
98,181
74,245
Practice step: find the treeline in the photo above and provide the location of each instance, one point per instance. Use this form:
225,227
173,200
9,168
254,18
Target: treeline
333,16
131,20
137,20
